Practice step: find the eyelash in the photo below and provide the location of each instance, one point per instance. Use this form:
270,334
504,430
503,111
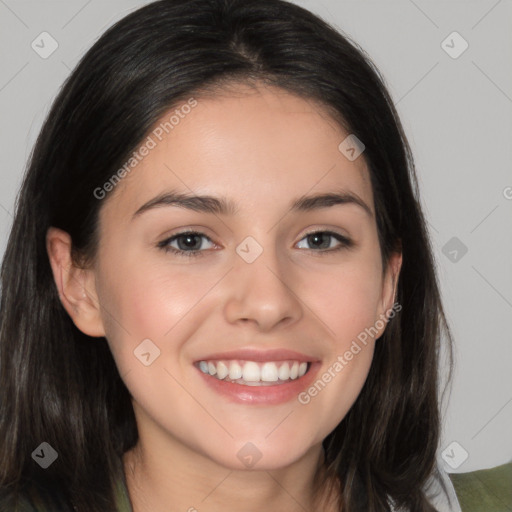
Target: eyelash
164,244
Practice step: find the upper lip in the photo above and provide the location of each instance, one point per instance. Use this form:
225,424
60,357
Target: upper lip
258,355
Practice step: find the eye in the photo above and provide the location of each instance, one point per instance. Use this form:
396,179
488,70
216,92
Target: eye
322,240
189,243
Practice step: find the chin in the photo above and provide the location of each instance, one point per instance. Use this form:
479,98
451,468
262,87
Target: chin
259,454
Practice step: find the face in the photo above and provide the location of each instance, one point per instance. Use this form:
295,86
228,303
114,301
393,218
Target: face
262,291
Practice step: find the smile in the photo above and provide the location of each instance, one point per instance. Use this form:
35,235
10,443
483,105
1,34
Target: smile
258,377
252,373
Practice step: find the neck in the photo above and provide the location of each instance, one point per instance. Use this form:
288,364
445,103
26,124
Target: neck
165,475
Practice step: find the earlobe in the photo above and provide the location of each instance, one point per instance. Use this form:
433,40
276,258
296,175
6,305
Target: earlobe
76,287
389,289
394,267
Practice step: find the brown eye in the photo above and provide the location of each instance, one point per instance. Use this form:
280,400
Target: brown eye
323,240
189,243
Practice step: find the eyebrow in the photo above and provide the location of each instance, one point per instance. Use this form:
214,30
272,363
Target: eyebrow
224,206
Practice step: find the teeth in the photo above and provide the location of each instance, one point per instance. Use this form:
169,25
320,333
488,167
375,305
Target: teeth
284,372
253,373
294,370
269,372
235,371
222,370
212,369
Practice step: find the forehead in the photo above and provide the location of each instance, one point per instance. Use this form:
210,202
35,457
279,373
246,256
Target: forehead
252,145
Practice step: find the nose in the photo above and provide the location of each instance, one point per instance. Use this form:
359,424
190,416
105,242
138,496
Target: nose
262,292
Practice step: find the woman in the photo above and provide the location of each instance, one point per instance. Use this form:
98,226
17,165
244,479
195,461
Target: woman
218,291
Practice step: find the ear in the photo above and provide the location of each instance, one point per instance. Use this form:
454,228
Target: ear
76,286
389,287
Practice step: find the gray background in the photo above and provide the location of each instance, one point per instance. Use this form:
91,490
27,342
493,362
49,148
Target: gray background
457,115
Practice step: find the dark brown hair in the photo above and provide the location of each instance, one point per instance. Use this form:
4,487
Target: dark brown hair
59,386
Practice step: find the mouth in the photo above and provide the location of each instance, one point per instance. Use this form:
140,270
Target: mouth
254,377
253,373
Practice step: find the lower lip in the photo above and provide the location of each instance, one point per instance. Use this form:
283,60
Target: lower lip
266,395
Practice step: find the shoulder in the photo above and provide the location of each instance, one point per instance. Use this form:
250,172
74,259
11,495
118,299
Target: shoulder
50,497
31,499
16,503
485,489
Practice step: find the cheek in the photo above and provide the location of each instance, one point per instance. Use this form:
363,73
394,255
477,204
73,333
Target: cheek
346,298
347,301
331,396
151,301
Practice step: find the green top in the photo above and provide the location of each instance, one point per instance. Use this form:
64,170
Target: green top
122,499
487,490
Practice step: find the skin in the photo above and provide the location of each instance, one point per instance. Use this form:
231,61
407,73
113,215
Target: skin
260,147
